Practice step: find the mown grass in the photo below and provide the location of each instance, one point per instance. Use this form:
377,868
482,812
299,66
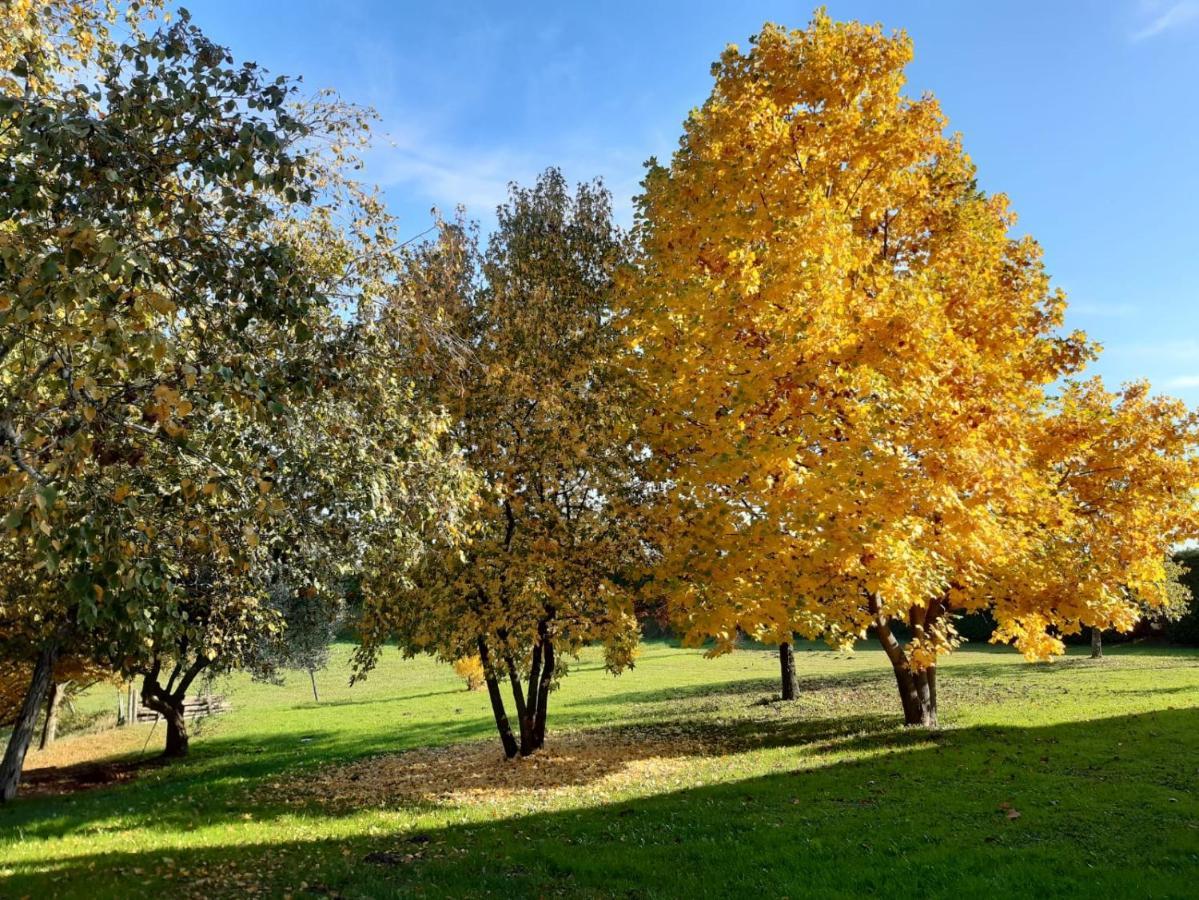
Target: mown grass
679,778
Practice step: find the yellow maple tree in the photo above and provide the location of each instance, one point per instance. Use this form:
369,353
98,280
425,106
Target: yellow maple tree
847,359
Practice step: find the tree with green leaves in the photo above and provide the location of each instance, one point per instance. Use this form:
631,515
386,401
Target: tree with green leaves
183,252
539,403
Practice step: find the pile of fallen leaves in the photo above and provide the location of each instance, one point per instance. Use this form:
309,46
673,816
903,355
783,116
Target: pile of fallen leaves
478,772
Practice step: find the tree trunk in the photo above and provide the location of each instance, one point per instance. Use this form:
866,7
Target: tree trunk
1096,643
22,732
528,727
315,695
787,667
543,695
168,702
926,694
497,702
917,693
177,738
131,701
522,710
53,701
170,708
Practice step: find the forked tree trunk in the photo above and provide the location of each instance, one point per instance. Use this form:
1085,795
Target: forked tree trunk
787,669
22,732
53,702
497,702
523,719
1096,643
917,690
170,709
168,702
528,724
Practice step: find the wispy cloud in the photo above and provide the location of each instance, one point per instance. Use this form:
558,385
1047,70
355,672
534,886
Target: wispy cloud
1164,17
447,174
1183,381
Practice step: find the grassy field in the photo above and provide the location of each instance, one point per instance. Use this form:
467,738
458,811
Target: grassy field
680,778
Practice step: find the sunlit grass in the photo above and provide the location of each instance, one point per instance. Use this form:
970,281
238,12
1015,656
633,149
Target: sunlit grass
678,778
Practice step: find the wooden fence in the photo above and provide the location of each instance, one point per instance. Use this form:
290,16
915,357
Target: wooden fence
193,708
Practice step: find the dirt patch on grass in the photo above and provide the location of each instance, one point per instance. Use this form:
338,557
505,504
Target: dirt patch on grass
95,746
55,780
85,761
477,772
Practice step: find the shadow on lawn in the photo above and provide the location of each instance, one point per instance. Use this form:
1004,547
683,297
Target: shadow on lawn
214,784
756,687
397,700
324,774
1050,812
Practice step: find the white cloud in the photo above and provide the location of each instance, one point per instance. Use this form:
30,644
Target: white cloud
447,174
1183,381
448,177
1166,16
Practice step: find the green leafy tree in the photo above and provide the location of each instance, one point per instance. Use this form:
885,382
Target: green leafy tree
538,404
183,252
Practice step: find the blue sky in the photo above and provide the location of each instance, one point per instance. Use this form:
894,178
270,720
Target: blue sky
1085,113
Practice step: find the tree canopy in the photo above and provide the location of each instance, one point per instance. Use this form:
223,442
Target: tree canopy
541,409
850,361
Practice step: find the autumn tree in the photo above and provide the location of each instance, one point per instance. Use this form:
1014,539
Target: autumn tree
182,251
539,406
846,353
1118,473
1171,607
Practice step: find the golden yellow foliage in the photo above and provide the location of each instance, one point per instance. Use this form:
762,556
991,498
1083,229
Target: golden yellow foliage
470,670
847,355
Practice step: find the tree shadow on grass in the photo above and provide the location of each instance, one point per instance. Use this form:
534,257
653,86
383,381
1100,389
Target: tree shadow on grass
1056,811
397,700
755,687
323,774
212,785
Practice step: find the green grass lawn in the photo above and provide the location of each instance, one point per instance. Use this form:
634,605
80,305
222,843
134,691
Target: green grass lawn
679,778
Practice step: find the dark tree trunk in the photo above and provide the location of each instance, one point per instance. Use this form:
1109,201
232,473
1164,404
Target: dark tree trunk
168,703
178,741
315,695
926,695
917,693
523,719
528,725
22,732
170,709
787,668
53,702
1096,643
497,702
543,694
